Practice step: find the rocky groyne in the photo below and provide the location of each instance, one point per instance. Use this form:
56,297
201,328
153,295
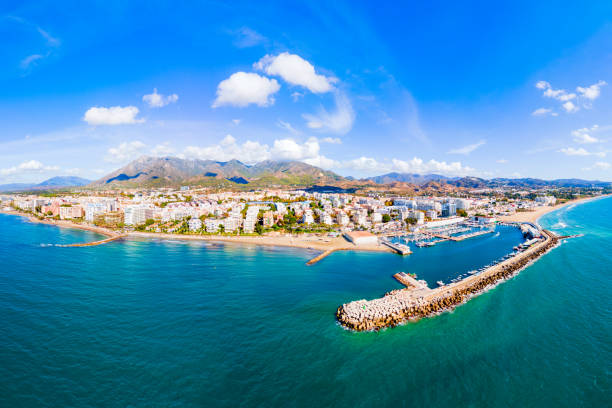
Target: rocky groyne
399,306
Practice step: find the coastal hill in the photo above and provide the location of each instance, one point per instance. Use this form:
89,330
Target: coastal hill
52,183
477,182
158,171
173,171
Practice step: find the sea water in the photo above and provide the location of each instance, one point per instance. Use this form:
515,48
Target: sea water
185,324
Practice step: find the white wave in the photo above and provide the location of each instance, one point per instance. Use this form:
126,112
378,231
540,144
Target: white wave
560,224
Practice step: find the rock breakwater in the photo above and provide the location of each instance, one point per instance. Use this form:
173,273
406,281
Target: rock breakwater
399,306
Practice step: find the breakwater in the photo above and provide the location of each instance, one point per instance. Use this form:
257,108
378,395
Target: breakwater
399,306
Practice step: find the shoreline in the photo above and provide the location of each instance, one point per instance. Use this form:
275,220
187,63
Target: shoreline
311,242
534,216
410,304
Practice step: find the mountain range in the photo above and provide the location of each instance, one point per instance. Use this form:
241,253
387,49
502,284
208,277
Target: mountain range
173,171
52,183
157,171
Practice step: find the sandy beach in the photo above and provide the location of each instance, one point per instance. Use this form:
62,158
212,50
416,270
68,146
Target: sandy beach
534,216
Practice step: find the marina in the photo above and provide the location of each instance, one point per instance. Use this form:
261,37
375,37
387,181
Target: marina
417,301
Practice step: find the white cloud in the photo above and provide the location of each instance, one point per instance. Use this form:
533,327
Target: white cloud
339,121
543,112
296,71
572,151
502,161
228,149
296,96
242,89
163,149
29,60
415,165
236,122
584,135
247,37
115,115
156,100
31,166
591,92
253,152
570,107
287,126
125,151
331,140
571,102
467,149
598,166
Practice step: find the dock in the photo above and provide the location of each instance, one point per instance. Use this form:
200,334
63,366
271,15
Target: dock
409,281
95,243
399,248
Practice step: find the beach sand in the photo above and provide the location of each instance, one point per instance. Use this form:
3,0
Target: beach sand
534,216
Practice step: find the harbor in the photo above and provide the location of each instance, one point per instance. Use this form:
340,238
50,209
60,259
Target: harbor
417,300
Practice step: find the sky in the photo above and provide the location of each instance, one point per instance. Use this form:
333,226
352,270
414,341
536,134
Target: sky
360,88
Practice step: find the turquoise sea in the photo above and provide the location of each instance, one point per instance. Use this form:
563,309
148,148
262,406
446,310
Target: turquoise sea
174,324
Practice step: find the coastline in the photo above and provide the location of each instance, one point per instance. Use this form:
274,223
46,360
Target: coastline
534,216
313,242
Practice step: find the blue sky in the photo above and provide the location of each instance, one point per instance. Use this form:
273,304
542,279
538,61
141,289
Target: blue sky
361,88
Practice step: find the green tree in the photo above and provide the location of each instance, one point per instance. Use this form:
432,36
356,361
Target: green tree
462,213
386,218
411,220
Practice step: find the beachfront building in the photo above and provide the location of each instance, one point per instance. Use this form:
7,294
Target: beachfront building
67,213
195,224
546,200
361,238
326,219
449,209
212,224
307,217
342,219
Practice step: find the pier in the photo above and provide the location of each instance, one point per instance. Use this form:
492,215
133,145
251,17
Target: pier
399,306
95,243
399,248
320,256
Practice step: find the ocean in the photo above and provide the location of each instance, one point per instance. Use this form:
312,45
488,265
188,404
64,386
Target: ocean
168,323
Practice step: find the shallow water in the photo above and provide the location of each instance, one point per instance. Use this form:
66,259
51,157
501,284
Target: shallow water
152,323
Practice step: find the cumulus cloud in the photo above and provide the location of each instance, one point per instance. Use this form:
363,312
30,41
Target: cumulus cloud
415,165
157,100
162,149
571,102
228,149
467,149
599,166
591,92
296,71
31,166
253,152
115,115
570,107
125,151
339,121
243,88
572,151
584,135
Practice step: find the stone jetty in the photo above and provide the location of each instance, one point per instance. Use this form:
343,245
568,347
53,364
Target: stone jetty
399,306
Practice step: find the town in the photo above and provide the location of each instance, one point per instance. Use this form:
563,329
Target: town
199,211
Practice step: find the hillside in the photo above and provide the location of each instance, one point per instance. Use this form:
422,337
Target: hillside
161,171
